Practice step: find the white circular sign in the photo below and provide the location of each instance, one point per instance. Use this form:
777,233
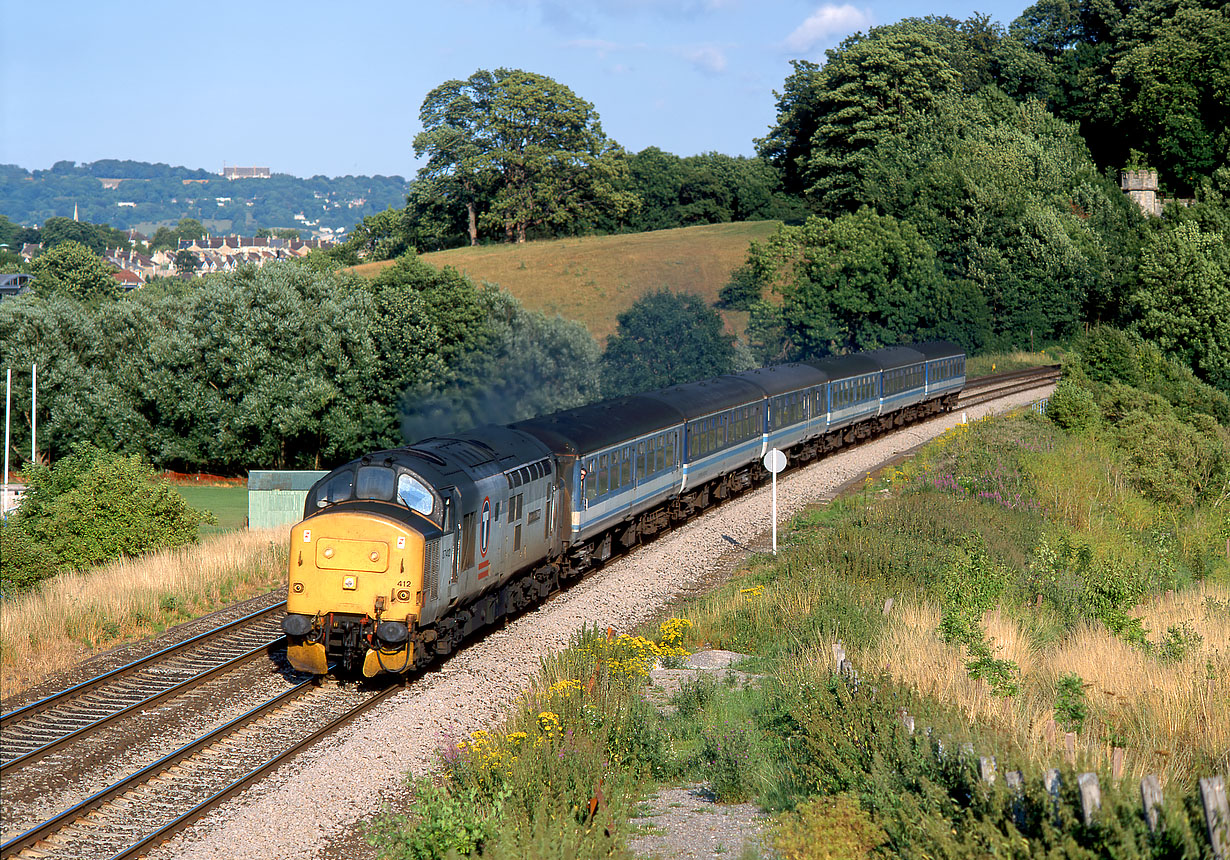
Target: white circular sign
775,461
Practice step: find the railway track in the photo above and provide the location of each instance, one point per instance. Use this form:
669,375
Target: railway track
987,388
43,727
134,813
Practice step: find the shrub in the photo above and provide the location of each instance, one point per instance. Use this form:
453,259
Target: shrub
827,828
1071,708
726,759
444,821
23,561
94,506
1072,406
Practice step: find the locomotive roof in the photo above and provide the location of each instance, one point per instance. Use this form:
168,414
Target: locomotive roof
934,349
590,428
695,399
783,377
845,366
892,357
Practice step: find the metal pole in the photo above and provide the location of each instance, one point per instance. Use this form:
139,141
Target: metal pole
33,413
4,494
775,513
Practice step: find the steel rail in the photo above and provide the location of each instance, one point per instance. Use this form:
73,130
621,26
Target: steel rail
182,687
209,804
128,669
39,832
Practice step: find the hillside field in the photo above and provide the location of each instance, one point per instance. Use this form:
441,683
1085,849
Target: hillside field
593,279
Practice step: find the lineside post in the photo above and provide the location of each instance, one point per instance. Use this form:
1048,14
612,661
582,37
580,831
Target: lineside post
774,461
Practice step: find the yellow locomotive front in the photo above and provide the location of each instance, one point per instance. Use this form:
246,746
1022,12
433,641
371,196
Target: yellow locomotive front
355,583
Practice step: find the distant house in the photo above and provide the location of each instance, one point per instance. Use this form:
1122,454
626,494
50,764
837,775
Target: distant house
14,284
246,172
128,280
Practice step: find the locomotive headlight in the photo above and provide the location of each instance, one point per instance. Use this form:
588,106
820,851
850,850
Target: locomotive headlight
349,583
297,588
403,594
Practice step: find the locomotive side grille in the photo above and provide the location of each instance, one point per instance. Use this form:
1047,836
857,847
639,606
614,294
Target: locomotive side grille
431,568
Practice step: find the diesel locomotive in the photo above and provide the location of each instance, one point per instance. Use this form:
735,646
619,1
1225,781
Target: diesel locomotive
403,553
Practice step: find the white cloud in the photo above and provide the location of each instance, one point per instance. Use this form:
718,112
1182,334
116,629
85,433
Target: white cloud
706,58
824,24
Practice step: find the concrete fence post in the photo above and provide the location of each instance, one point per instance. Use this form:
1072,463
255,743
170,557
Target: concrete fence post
1151,799
1091,796
986,769
1216,814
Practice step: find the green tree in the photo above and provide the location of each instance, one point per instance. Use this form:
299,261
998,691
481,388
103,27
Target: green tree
517,151
858,282
71,269
663,339
186,262
1183,302
96,237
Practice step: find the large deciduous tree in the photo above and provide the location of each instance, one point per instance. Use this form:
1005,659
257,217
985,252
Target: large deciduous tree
663,339
71,269
517,151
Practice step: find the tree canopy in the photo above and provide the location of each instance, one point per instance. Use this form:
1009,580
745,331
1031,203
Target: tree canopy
517,151
663,339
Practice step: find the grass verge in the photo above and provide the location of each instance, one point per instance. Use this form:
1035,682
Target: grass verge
75,615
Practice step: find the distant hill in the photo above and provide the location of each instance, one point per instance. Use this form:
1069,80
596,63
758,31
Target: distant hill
594,278
138,195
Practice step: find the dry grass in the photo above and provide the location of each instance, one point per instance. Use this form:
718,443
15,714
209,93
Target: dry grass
1002,362
595,278
1174,716
74,616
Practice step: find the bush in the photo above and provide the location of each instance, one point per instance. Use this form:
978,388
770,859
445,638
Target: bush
22,561
1072,406
827,828
91,507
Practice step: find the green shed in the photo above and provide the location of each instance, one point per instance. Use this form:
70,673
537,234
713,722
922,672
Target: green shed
276,498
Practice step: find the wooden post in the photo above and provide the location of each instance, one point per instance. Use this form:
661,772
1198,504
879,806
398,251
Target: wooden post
1091,796
1069,746
888,605
1151,799
1116,763
1049,731
1216,814
909,723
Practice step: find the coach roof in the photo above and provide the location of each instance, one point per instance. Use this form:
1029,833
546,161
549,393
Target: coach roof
591,428
784,377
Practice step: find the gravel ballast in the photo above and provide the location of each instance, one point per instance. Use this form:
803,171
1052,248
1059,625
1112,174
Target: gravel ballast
306,808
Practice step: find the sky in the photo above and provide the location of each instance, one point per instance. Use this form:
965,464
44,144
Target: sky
335,88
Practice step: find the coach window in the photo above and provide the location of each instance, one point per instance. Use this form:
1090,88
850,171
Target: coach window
640,459
604,477
625,468
591,479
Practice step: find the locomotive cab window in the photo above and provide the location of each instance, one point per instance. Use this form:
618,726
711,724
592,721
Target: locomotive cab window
375,482
339,489
414,494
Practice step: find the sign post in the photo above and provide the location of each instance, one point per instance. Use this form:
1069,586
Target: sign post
774,461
